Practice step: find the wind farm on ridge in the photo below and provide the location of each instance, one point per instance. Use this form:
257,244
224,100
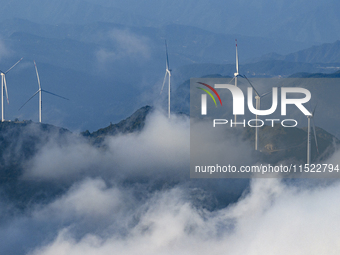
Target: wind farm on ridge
167,79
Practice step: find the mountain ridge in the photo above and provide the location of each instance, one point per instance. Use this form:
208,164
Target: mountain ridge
325,53
21,141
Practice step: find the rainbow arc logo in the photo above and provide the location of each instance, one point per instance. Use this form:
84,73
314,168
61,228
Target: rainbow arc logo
209,93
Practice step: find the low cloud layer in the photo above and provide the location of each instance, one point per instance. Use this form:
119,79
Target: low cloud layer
134,196
273,218
161,148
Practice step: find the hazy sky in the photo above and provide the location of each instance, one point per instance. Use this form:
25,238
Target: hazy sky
304,21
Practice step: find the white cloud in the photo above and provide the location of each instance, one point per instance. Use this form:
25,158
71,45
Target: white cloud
4,51
120,199
273,218
91,198
63,160
126,45
161,147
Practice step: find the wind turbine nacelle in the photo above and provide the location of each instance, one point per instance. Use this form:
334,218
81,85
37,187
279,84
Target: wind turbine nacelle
236,74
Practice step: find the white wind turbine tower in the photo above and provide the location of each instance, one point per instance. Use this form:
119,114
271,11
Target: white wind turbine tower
309,138
3,82
258,107
236,74
167,72
40,94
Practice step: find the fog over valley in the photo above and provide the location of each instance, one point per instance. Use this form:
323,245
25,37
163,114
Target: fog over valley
107,170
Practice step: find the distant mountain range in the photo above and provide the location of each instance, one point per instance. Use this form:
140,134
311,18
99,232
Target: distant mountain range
304,21
324,53
68,11
101,66
316,75
324,59
265,68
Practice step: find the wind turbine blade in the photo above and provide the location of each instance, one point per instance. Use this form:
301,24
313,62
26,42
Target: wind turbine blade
163,82
316,140
314,109
269,92
236,57
29,99
36,71
167,57
252,86
6,88
231,80
13,66
266,93
55,94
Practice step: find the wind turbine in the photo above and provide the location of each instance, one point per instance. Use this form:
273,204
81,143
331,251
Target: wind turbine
258,107
236,74
167,72
3,82
40,94
309,138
